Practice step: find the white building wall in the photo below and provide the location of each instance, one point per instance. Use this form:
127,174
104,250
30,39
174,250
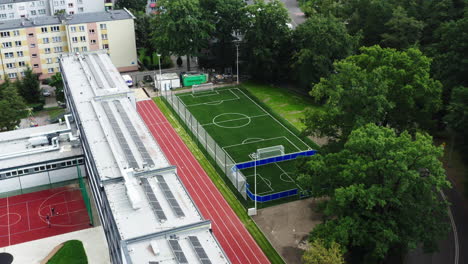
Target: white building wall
122,47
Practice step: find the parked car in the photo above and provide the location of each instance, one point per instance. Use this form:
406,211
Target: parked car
46,93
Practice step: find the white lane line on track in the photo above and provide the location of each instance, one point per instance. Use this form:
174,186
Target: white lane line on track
233,216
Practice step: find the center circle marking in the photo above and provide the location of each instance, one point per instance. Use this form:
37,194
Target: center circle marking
236,116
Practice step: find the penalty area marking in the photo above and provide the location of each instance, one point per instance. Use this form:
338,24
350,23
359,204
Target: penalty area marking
282,175
252,140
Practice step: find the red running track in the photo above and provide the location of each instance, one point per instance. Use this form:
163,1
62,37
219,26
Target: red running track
23,217
239,245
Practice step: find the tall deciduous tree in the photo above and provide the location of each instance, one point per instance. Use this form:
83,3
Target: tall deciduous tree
384,193
403,31
29,87
457,117
57,82
267,40
319,253
319,42
180,28
12,107
143,30
381,86
135,5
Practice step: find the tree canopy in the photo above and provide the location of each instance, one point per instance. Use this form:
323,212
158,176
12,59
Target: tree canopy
57,82
402,31
134,5
12,107
267,40
319,42
29,87
381,188
381,86
318,253
180,28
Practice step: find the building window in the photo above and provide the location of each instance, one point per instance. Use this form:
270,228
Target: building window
11,15
80,9
76,49
44,29
10,65
58,49
45,40
36,66
47,50
3,16
6,44
12,75
18,43
55,28
93,41
105,46
33,12
70,4
16,32
73,29
74,39
57,60
80,1
5,34
104,36
81,28
49,60
10,6
31,34
41,11
82,38
103,26
91,31
19,54
57,39
22,64
71,12
32,45
34,55
50,70
2,7
41,3
84,49
9,55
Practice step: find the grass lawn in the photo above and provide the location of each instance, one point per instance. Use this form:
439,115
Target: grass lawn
54,112
235,204
72,252
288,105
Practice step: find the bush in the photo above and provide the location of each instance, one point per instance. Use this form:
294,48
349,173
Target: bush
37,106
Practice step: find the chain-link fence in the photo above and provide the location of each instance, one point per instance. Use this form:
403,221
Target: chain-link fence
222,159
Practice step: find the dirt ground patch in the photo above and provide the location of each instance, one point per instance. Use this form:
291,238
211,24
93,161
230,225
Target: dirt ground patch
286,225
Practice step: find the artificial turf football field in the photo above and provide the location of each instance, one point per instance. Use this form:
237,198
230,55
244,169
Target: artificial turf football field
240,126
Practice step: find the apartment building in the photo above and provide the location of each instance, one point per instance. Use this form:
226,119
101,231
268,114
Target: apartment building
15,9
151,7
38,43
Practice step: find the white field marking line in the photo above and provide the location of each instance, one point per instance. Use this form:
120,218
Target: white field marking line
42,227
55,204
8,217
41,205
285,180
294,135
240,144
245,141
150,115
234,119
210,93
288,176
213,101
217,202
264,180
454,228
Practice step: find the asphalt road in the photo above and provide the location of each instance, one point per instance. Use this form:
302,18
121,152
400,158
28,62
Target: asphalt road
295,13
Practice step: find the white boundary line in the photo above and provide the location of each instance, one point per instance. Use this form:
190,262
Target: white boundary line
288,176
235,119
263,179
203,94
211,102
307,146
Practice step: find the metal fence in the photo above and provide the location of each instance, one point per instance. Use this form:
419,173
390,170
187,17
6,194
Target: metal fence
222,159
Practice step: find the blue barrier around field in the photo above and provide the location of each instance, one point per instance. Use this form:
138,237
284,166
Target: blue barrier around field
250,164
273,196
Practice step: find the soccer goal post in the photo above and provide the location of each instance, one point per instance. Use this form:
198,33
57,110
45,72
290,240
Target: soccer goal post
268,152
202,87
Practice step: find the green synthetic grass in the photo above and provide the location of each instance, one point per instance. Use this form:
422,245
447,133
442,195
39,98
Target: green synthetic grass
217,179
288,105
240,126
72,252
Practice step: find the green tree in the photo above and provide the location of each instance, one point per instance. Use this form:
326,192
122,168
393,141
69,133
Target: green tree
457,118
403,31
227,16
57,82
143,30
12,107
181,29
135,5
383,193
29,87
381,86
318,253
319,42
267,40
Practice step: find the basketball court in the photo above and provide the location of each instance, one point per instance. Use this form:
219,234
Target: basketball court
26,217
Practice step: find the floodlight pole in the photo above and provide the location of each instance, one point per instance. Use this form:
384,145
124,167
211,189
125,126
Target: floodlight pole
255,180
160,74
237,62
